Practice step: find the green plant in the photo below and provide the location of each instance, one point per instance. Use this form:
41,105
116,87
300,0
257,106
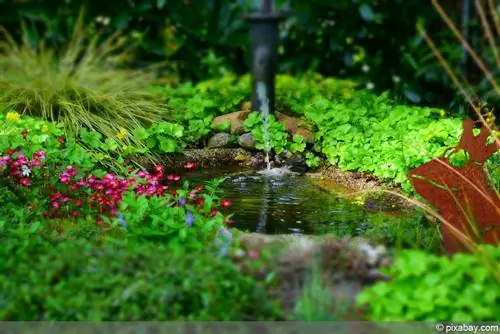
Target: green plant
163,137
426,287
297,144
370,133
82,86
188,224
277,136
317,302
312,160
127,281
33,134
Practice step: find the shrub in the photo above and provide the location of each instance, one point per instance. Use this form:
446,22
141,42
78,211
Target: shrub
426,287
75,281
83,86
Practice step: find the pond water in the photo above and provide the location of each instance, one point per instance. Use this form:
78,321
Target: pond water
281,202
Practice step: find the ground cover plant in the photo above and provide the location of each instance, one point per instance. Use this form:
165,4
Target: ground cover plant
467,288
79,281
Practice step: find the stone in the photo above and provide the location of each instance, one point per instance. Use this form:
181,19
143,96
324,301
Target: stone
247,141
219,140
349,264
295,126
235,119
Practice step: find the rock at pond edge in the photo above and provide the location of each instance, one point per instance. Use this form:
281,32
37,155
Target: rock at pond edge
220,140
235,119
247,141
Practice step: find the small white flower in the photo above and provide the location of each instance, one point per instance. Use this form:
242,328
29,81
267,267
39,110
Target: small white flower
370,85
365,68
396,79
26,170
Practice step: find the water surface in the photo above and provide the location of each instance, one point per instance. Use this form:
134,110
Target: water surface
277,202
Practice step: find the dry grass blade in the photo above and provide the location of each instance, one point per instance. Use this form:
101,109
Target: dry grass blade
448,69
464,238
480,63
487,31
494,14
454,78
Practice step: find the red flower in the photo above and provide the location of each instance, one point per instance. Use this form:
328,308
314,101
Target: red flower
198,188
213,212
225,203
61,140
24,134
56,205
199,201
190,165
78,202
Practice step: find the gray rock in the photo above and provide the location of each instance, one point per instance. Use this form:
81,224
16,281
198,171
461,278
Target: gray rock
220,140
247,141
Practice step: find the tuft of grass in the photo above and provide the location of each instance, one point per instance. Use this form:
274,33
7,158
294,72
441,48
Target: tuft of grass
83,85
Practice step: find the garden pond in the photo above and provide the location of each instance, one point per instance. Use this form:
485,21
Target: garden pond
279,201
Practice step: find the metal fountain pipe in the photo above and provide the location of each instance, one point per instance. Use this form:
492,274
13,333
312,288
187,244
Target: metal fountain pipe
264,40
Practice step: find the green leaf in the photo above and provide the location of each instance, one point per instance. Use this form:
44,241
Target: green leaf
167,145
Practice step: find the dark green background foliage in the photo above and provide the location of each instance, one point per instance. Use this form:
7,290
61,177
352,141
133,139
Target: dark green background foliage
77,280
335,38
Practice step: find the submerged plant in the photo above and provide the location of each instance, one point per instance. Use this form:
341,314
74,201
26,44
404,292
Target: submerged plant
84,85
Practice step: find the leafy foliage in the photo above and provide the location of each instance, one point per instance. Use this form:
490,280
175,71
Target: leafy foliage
369,133
164,137
77,280
255,123
426,287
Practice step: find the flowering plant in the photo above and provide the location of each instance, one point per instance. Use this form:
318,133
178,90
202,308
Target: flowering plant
45,182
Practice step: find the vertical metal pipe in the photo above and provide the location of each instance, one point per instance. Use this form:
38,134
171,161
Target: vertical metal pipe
264,39
265,6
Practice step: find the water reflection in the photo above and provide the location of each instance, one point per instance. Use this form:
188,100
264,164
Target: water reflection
276,201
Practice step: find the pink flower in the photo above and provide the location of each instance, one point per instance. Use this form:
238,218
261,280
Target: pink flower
173,177
25,182
190,165
253,254
64,178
